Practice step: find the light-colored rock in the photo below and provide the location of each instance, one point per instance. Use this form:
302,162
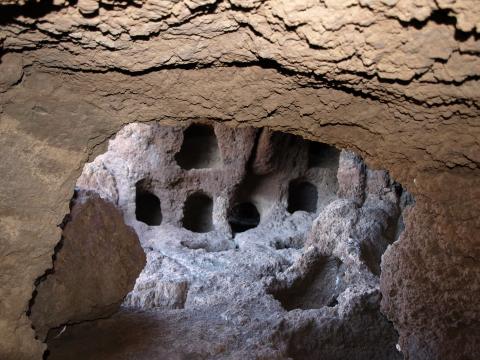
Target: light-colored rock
207,271
88,7
352,177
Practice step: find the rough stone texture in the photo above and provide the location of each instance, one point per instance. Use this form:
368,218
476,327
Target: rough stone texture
451,335
396,81
143,151
351,178
326,291
420,50
96,265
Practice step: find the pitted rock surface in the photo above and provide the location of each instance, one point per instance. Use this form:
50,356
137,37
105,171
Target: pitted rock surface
258,277
423,51
96,265
395,81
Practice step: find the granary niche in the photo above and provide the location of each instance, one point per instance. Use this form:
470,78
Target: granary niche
147,204
243,216
302,196
197,213
322,155
272,227
199,148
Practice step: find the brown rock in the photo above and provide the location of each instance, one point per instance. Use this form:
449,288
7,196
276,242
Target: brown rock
98,260
396,81
11,71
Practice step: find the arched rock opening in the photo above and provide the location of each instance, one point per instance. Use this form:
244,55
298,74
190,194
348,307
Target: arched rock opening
407,100
322,155
243,216
197,213
302,196
301,220
199,148
147,205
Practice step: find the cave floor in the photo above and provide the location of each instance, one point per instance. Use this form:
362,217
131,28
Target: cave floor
165,334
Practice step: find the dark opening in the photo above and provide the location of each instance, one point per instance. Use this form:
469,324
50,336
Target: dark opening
243,217
199,148
371,255
320,287
322,155
302,196
197,213
147,205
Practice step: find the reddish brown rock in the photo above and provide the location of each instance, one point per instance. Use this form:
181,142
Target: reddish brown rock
396,81
96,265
439,319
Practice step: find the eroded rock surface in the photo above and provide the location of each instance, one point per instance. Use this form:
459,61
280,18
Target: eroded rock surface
426,50
95,266
307,269
396,81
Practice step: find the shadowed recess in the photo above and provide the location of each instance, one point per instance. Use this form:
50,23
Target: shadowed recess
197,213
320,287
302,196
199,148
147,205
243,217
322,155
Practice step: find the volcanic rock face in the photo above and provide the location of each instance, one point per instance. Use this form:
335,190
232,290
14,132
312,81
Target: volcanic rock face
365,45
256,233
395,81
97,264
